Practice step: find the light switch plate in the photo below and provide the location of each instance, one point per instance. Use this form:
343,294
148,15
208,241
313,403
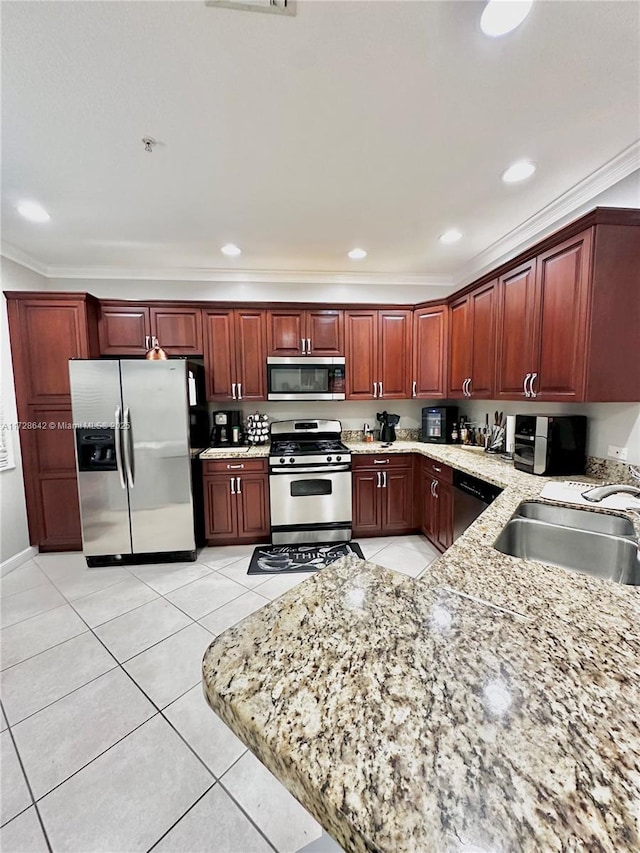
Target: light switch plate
615,452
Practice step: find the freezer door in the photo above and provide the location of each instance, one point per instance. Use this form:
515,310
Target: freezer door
154,396
96,402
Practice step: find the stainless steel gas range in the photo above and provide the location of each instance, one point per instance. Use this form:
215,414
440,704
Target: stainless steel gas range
310,482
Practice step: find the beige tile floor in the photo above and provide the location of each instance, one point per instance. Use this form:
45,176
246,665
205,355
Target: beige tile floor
106,741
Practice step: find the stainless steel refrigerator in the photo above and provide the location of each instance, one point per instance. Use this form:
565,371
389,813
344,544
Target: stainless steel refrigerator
131,423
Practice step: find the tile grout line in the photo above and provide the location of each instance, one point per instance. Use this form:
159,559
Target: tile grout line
173,825
28,784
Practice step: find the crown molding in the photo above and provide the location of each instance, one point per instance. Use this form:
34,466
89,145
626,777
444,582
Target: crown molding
550,216
18,256
226,276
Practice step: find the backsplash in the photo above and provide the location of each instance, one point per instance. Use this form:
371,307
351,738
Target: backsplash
401,434
609,470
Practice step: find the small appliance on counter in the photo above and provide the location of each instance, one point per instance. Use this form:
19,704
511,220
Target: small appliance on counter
439,423
550,445
388,424
227,429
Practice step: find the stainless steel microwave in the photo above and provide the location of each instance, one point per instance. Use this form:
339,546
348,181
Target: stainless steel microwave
305,378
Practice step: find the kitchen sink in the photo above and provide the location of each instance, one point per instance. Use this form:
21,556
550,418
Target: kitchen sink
589,542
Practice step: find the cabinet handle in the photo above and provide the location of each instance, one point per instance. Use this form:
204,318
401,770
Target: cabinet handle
469,391
380,461
375,390
435,468
378,479
233,485
531,381
302,346
238,487
435,488
233,467
384,479
414,392
146,343
309,345
380,384
233,391
464,387
526,379
433,482
154,341
239,390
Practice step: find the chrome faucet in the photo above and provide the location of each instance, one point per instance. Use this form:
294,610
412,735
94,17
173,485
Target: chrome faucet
602,492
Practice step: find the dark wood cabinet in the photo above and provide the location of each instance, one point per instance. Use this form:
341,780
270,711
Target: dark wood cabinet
382,494
235,354
516,330
430,338
305,332
379,358
236,501
128,329
436,516
472,321
46,330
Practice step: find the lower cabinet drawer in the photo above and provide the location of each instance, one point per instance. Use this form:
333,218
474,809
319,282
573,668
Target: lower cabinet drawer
234,466
437,469
381,461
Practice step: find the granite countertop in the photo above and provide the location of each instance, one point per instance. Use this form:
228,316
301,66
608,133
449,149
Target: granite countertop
490,705
254,452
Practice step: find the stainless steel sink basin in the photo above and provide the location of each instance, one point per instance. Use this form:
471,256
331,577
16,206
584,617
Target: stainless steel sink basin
575,539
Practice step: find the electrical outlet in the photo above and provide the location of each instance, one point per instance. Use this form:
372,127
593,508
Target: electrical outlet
615,452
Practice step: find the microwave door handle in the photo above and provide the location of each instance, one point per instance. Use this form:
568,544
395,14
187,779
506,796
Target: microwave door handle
118,442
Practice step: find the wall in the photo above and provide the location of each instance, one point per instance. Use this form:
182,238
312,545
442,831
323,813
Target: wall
13,512
609,423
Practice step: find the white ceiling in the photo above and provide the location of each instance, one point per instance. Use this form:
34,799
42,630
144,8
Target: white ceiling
374,124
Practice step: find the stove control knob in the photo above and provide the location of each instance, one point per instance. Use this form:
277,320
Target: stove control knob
338,458
291,460
282,460
328,459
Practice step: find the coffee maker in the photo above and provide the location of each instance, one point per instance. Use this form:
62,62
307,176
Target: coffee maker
388,426
227,429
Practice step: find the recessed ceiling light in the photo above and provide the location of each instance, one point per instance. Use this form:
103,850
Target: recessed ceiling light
231,250
450,236
33,211
357,254
519,171
501,16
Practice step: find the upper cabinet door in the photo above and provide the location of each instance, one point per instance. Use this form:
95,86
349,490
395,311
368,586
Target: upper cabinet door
251,355
124,330
516,351
429,352
361,337
325,332
460,331
50,332
285,332
178,330
563,289
483,353
394,354
219,355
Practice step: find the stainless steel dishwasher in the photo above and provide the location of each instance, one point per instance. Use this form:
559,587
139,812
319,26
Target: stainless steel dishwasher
471,496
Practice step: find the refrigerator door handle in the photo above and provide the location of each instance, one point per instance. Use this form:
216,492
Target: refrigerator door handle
118,437
128,448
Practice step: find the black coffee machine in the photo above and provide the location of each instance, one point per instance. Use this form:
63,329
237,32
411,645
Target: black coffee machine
227,429
388,426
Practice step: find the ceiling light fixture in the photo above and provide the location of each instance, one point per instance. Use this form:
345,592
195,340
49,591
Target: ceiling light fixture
231,250
450,236
502,16
519,171
357,254
33,211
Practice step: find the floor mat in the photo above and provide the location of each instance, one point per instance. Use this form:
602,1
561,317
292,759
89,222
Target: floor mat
284,559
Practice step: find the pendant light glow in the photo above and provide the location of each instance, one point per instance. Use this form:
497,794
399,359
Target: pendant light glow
450,236
33,211
357,254
231,250
502,16
519,171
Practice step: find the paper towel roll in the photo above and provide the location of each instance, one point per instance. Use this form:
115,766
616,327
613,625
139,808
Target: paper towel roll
511,433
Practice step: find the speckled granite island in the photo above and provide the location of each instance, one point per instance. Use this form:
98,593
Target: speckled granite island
492,705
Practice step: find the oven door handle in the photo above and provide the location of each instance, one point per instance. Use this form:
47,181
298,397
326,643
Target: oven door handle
321,471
